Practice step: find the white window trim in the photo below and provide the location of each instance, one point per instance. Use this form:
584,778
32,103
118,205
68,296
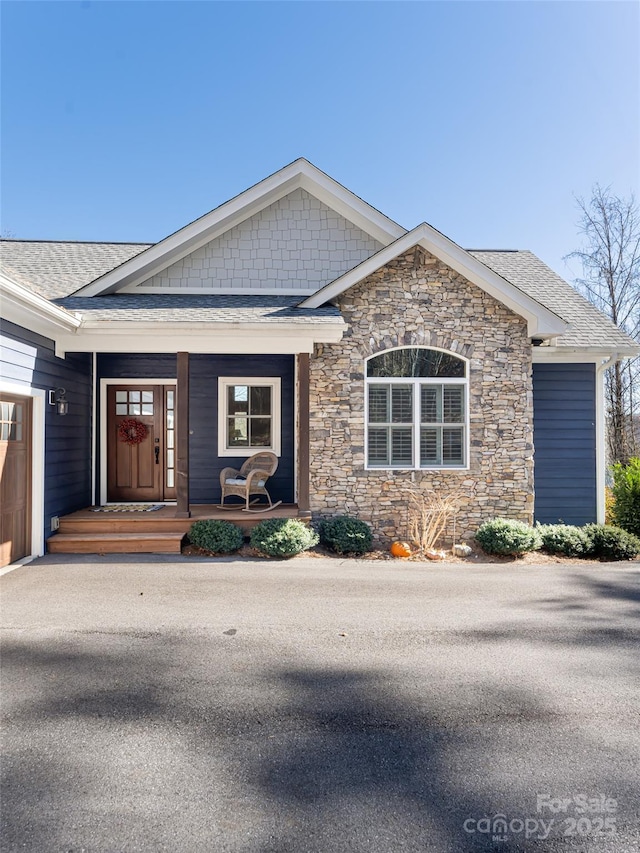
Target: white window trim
272,382
415,425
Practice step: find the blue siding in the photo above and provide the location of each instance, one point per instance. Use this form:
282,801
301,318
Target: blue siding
28,359
204,370
117,366
564,435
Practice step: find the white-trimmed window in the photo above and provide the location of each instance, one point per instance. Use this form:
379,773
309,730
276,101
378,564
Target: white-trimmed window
248,415
417,410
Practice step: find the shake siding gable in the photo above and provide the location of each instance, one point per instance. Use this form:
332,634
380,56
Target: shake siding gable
296,244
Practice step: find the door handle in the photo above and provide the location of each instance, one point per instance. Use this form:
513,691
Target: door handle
157,451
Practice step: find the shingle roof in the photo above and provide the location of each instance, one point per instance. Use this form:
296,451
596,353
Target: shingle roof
179,308
57,269
588,327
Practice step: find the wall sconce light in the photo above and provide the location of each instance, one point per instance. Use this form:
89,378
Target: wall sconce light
58,399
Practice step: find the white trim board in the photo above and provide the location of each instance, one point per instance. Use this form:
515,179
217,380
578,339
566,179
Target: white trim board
601,438
30,311
219,291
575,355
273,382
213,338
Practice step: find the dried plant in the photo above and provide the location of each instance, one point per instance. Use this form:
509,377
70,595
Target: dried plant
430,515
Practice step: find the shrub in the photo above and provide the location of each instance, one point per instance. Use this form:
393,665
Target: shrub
609,501
512,538
282,537
612,543
565,539
430,515
219,537
346,535
625,511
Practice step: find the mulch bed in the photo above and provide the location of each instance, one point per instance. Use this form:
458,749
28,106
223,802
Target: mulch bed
477,556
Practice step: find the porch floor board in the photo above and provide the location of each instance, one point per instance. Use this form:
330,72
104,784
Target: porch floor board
90,532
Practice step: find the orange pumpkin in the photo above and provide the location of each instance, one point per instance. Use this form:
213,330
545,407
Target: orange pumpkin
401,549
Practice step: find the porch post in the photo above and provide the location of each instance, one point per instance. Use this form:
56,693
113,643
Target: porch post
304,509
182,423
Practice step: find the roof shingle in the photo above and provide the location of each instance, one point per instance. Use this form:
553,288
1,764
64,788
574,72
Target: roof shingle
196,308
55,270
588,327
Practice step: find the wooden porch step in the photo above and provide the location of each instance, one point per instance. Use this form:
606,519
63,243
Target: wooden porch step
134,523
161,542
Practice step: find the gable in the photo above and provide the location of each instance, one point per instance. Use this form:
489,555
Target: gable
297,235
296,245
297,175
541,321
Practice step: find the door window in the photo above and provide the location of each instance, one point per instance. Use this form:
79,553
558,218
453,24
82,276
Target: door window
134,402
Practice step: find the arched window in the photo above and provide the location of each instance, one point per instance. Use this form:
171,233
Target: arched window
417,414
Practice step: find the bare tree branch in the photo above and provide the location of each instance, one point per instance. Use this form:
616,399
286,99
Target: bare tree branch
610,259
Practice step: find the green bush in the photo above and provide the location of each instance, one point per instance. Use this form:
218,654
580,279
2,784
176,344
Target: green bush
282,537
625,511
612,543
511,538
565,539
219,537
346,535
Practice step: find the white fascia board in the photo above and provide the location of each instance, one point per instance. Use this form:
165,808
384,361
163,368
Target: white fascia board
221,338
541,321
187,240
348,205
31,311
299,174
579,355
221,291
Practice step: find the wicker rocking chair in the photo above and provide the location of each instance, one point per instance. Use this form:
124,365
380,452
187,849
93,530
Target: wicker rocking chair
250,480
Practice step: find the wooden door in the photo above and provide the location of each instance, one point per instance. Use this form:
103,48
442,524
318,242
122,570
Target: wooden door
15,476
144,471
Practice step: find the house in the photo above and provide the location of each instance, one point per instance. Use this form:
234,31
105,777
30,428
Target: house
298,318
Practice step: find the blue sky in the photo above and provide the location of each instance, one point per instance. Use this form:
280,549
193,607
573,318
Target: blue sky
125,121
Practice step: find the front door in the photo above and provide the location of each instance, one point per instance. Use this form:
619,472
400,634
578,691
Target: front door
141,442
15,477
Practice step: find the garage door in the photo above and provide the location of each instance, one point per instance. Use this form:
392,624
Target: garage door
15,475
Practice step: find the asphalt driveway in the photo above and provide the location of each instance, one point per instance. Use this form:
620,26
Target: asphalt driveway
155,704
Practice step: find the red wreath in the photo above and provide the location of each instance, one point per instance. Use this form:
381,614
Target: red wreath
132,431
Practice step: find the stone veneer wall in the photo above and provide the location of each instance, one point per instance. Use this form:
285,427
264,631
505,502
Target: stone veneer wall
418,301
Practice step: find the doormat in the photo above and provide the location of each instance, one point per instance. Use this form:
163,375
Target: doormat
128,508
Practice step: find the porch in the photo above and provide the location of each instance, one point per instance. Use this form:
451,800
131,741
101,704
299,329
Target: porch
201,412
158,532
